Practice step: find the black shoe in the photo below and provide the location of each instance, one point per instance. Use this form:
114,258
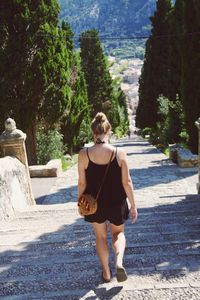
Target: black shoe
121,274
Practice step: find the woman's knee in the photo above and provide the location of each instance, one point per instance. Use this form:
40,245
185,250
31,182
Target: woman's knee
116,231
117,235
100,231
101,237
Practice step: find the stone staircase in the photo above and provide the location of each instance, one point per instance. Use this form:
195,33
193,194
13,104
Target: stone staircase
48,252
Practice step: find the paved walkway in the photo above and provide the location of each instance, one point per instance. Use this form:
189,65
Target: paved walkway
48,252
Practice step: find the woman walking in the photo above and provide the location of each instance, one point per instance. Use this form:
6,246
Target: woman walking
112,209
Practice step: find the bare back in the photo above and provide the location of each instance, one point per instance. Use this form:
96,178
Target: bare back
100,155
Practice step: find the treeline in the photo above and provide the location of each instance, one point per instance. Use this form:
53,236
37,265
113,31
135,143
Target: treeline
50,90
169,89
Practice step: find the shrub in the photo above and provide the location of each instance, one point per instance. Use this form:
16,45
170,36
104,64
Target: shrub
85,135
145,131
49,145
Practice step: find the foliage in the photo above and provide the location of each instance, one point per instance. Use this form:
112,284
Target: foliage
27,43
68,163
34,65
98,79
49,145
99,83
167,131
122,128
78,110
104,93
180,66
123,49
85,134
187,14
154,78
122,122
145,132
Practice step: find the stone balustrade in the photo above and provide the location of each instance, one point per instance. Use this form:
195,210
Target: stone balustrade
12,143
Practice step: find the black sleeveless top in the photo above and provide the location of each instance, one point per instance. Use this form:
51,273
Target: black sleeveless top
112,204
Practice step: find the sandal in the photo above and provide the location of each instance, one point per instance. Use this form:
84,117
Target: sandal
106,280
121,274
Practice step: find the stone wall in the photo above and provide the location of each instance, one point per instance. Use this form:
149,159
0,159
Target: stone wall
14,189
183,157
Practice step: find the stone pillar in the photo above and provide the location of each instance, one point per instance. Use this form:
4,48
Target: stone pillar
197,123
12,142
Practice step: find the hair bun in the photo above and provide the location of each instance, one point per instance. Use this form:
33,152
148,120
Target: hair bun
100,117
100,124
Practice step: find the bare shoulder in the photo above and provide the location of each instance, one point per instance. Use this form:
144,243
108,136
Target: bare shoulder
82,152
121,153
121,156
82,157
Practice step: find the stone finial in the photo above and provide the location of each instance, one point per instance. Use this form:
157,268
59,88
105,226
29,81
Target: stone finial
10,125
11,132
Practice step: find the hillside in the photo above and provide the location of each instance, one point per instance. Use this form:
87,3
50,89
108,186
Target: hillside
122,17
116,19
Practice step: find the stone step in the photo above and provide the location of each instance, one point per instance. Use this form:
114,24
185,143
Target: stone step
72,241
85,228
84,284
150,218
143,213
53,252
32,268
16,238
175,292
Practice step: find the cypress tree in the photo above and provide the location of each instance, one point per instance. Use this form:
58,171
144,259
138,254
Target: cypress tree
103,95
98,79
155,72
146,114
34,65
78,110
188,15
175,123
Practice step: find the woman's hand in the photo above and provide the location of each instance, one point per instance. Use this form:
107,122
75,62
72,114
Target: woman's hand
133,214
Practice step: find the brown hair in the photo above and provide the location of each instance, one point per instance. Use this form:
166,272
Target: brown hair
100,124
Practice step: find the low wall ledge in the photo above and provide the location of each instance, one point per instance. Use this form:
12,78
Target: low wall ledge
52,169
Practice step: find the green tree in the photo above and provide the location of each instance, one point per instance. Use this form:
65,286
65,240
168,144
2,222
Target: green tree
176,122
146,113
169,130
34,64
78,111
187,14
100,89
98,79
69,35
155,72
121,116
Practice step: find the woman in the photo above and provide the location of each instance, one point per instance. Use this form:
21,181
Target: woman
112,205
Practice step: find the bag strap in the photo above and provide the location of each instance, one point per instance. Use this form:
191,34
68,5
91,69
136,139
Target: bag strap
104,177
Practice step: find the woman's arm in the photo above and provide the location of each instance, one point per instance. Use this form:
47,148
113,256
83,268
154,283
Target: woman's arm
81,173
128,185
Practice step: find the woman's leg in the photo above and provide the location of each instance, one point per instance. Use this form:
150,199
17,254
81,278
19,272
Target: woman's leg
118,243
100,231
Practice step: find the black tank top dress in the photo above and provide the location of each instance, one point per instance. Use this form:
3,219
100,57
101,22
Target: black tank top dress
112,204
